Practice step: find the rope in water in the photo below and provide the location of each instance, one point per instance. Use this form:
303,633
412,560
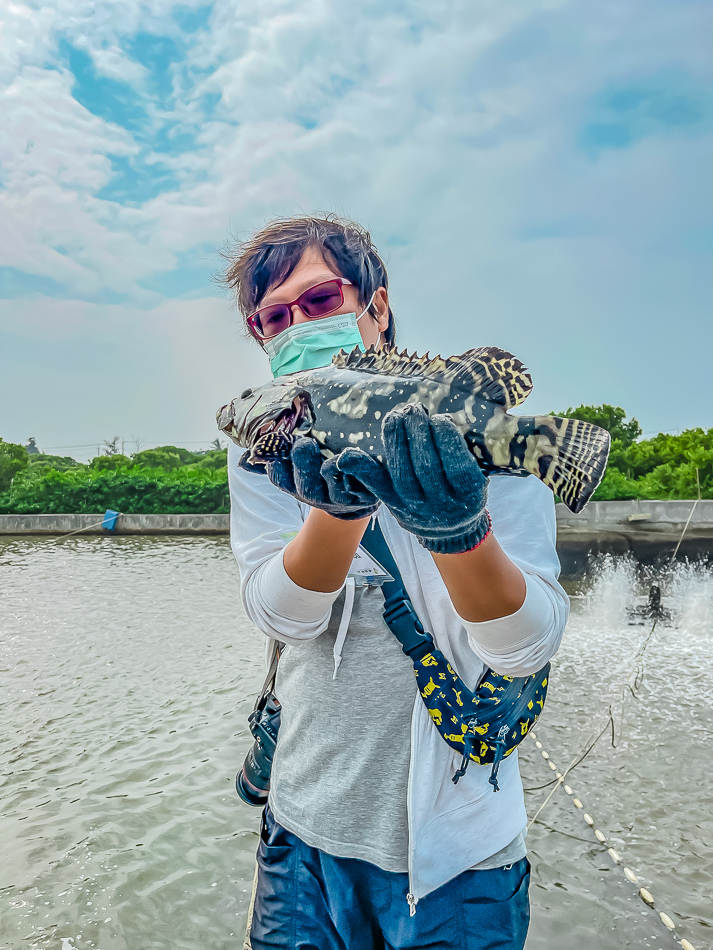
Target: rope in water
632,684
79,530
645,894
685,527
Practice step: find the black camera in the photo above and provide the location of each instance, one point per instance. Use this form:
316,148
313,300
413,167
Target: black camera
252,782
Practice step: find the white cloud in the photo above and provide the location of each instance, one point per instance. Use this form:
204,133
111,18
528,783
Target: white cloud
115,64
451,129
98,370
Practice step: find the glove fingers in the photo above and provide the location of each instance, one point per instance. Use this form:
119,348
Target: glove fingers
307,461
397,455
280,473
369,472
345,489
459,464
425,455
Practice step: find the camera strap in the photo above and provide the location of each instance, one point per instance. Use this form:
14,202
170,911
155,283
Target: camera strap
268,686
485,725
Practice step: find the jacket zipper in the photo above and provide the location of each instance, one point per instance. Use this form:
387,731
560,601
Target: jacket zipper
411,900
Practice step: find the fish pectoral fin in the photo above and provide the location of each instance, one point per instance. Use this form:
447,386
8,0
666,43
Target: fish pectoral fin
276,444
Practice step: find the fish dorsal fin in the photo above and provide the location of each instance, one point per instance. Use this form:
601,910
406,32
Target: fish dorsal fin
503,369
496,373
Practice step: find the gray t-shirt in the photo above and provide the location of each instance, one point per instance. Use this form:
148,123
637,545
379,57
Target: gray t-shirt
340,772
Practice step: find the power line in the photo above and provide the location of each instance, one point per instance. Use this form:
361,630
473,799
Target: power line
85,445
155,443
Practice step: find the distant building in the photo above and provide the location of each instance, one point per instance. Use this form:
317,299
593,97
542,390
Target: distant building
31,447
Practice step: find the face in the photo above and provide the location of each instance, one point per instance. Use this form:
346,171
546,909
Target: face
313,269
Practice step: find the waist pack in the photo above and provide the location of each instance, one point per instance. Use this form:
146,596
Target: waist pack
486,725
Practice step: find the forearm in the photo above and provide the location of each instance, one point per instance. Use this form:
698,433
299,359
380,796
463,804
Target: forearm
320,556
483,584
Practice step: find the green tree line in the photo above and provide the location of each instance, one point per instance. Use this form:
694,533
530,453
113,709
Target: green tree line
665,466
170,479
164,480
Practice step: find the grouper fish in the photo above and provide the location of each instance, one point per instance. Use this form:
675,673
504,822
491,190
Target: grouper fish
342,405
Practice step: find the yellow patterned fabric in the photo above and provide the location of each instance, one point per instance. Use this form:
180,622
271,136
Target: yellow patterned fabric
485,725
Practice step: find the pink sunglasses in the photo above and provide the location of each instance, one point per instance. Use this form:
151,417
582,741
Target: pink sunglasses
314,302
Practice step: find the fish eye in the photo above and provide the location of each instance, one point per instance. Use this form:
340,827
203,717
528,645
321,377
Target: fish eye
246,394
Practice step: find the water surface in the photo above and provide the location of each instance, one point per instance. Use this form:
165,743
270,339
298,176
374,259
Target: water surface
128,668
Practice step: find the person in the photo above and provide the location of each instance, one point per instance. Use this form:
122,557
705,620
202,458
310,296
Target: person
366,842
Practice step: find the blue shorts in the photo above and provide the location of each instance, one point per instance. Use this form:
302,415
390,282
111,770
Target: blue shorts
309,900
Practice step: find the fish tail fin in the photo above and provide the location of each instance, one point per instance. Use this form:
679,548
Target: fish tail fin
571,458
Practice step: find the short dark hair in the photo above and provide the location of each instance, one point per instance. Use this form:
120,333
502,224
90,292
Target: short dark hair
271,254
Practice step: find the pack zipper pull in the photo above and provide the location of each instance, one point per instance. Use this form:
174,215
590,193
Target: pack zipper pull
468,740
499,753
411,904
457,775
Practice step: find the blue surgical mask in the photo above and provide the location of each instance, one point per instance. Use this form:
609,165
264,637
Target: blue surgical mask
309,345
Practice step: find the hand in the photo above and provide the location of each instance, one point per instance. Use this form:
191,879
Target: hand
309,478
429,481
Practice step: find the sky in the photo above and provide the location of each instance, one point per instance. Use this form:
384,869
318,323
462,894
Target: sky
536,174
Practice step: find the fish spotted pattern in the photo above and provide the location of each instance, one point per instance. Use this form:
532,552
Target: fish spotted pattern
344,403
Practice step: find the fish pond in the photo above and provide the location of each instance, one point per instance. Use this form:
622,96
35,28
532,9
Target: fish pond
128,669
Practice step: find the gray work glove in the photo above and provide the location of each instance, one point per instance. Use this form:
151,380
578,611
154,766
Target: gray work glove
429,480
310,478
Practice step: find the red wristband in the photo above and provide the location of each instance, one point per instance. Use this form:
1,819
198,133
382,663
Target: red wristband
485,536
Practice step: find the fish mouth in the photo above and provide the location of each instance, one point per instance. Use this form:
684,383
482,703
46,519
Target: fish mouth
283,423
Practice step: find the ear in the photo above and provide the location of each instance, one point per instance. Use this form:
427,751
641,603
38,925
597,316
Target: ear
380,308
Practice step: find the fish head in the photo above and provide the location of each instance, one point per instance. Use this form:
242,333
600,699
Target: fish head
264,420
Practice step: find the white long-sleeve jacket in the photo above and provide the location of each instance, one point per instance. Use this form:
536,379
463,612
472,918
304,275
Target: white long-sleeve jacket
451,827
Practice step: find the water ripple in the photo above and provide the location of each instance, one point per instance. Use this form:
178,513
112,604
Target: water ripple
128,668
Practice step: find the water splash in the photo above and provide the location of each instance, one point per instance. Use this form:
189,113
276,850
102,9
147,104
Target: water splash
94,619
612,588
691,595
615,584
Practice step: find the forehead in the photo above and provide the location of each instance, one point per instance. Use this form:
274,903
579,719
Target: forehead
311,268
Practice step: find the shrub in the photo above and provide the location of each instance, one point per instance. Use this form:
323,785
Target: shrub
86,490
40,462
666,466
611,418
170,479
167,457
109,463
615,486
13,459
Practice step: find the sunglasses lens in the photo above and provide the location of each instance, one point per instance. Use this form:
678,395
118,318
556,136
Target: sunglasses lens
320,300
272,320
316,302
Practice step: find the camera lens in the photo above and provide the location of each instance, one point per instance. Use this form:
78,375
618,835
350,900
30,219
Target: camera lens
249,792
252,782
